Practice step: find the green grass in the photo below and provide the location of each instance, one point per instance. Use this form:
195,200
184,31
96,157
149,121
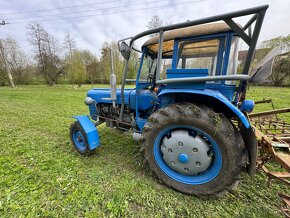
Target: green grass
42,175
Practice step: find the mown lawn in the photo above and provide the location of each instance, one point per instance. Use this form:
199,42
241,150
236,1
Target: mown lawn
41,175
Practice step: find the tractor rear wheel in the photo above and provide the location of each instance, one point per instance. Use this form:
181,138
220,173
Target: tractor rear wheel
193,149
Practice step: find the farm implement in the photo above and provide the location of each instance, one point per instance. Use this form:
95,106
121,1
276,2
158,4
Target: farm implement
187,93
273,136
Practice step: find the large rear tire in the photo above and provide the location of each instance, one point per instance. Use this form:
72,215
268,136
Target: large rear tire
193,149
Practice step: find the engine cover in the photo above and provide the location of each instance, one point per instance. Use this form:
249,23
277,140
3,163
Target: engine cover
146,101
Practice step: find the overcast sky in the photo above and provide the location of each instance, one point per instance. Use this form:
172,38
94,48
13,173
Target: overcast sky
93,22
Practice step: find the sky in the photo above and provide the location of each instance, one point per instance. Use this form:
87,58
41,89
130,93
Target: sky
92,23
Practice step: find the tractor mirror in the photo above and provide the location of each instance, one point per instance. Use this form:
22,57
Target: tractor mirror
124,50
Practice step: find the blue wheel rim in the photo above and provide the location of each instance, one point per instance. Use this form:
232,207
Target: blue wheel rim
202,178
79,140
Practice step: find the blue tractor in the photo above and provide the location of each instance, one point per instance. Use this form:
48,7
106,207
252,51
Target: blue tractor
189,104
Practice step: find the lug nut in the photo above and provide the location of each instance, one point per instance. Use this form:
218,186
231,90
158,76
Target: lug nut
180,143
186,169
195,150
172,163
170,150
197,163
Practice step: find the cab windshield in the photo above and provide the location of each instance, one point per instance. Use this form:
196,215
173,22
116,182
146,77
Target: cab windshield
194,54
148,68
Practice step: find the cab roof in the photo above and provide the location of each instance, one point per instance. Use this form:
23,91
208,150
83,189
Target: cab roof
170,36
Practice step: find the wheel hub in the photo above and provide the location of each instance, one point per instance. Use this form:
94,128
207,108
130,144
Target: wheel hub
185,153
183,158
79,137
79,140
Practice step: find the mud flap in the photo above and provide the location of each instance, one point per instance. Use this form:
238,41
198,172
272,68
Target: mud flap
251,143
90,130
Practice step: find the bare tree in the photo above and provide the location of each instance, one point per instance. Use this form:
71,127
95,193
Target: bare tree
17,60
155,22
52,60
69,44
36,37
5,64
47,52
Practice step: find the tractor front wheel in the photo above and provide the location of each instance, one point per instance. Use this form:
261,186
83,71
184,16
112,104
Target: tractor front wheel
79,139
193,149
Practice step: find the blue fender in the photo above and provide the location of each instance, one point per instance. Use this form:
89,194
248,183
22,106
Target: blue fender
214,94
90,130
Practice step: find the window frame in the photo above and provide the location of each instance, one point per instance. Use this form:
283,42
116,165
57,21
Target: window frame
223,50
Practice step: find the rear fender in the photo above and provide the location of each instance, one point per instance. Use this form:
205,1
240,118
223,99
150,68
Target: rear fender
90,130
211,95
251,143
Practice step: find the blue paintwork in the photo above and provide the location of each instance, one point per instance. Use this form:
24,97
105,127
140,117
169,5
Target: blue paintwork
183,158
140,122
227,90
175,54
90,130
142,85
215,94
138,85
102,95
227,54
79,140
146,98
247,106
220,57
184,73
93,111
206,176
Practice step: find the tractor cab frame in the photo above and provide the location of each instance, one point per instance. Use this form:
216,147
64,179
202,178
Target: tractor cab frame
226,32
190,59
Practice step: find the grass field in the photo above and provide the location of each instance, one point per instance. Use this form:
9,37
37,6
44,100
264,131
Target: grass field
41,175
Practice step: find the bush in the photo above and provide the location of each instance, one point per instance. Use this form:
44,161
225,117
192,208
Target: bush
281,71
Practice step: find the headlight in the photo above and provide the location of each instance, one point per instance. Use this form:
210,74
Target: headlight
89,101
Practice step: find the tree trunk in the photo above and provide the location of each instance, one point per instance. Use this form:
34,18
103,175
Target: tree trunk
6,66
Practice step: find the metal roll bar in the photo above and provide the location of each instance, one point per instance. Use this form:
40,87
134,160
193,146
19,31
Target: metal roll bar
204,79
251,39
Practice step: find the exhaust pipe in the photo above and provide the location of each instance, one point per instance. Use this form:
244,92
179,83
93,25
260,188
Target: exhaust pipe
113,81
